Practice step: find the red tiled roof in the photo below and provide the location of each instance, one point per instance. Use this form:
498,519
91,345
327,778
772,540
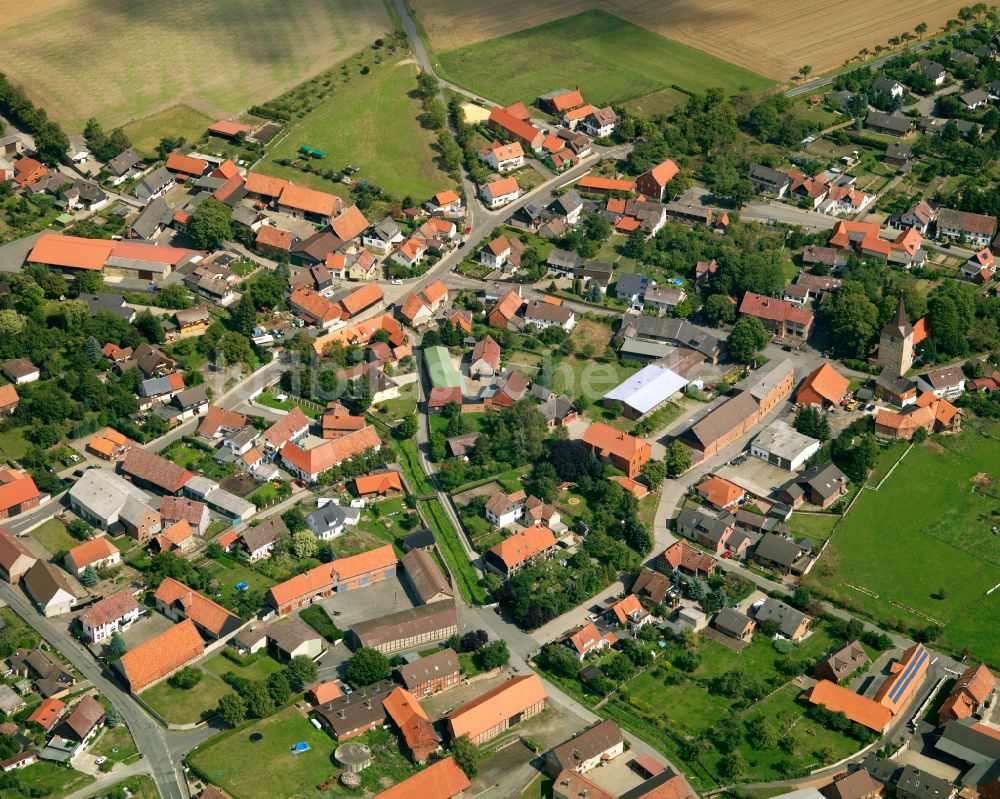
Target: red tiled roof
143,251
47,714
18,489
217,418
331,451
71,252
664,172
719,492
315,305
381,483
445,198
177,162
349,224
265,185
773,309
361,298
158,471
516,127
566,100
109,609
226,169
308,200
524,545
824,382
97,549
605,439
226,127
489,709
442,780
197,607
275,237
285,428
595,183
860,709
159,656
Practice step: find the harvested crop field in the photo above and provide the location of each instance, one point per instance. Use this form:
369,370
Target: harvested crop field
610,59
119,61
772,37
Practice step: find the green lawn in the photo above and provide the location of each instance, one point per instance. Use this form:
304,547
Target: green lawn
116,745
588,378
179,120
49,779
371,122
181,706
53,536
267,399
260,669
814,526
611,60
141,787
26,636
450,546
895,542
13,444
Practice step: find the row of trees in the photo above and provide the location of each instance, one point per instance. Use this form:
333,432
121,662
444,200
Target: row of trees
51,143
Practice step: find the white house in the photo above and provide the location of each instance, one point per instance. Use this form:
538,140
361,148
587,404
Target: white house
383,236
662,298
502,251
20,371
544,315
503,157
115,613
500,192
97,552
241,441
502,510
783,446
331,521
445,202
600,122
946,383
410,253
48,589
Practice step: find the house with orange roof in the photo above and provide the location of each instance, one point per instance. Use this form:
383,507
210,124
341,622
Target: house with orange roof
485,358
503,252
344,574
719,493
178,536
273,240
264,187
228,129
857,708
968,694
9,398
15,557
595,184
362,333
446,202
363,298
503,313
380,484
349,224
906,676
28,171
575,116
410,253
980,267
437,231
413,724
217,422
109,444
628,613
314,308
186,166
864,239
626,452
442,780
177,602
47,714
779,317
496,711
500,192
98,552
309,464
560,100
18,493
824,387
652,183
930,413
159,657
521,549
110,615
502,157
587,638
317,206
682,556
518,110
514,129
462,319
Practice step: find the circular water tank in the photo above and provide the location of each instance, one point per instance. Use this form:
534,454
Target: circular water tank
353,757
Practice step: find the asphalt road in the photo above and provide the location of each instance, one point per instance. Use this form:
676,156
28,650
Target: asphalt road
819,83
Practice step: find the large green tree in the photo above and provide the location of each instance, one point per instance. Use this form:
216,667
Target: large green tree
367,666
210,225
746,339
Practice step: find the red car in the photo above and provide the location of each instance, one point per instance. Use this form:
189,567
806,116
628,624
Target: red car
728,553
468,230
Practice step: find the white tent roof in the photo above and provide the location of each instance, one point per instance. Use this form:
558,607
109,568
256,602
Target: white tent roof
648,387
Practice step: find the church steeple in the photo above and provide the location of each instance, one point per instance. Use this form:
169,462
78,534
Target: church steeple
899,326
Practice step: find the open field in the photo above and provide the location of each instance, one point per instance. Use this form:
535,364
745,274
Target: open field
186,706
610,59
370,122
208,54
920,551
179,120
770,37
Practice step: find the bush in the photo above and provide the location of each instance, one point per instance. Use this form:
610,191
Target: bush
317,618
187,678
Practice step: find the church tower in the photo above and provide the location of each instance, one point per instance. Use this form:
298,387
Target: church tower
895,345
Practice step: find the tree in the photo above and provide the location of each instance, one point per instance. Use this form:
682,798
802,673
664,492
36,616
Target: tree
677,459
746,339
852,318
367,666
116,646
302,672
812,422
294,520
805,70
232,709
246,316
492,656
733,765
89,577
559,659
112,717
473,641
51,144
187,678
259,702
210,225
406,429
466,755
654,473
150,327
303,544
719,308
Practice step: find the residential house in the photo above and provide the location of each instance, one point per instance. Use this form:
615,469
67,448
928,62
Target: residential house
500,192
975,229
15,557
154,185
946,383
447,202
258,542
710,530
653,182
504,313
933,71
969,695
628,613
976,98
157,658
47,714
48,589
383,236
600,122
177,602
843,663
824,386
598,744
776,552
331,520
586,638
379,484
97,552
347,716
822,485
734,624
419,627
443,780
18,493
9,399
503,253
791,623
309,464
52,679
721,494
410,253
432,673
544,315
768,180
626,452
149,469
655,587
890,124
891,87
494,712
485,359
293,638
662,298
503,157
898,153
681,556
520,549
980,267
21,371
176,509
919,216
115,613
780,318
414,725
